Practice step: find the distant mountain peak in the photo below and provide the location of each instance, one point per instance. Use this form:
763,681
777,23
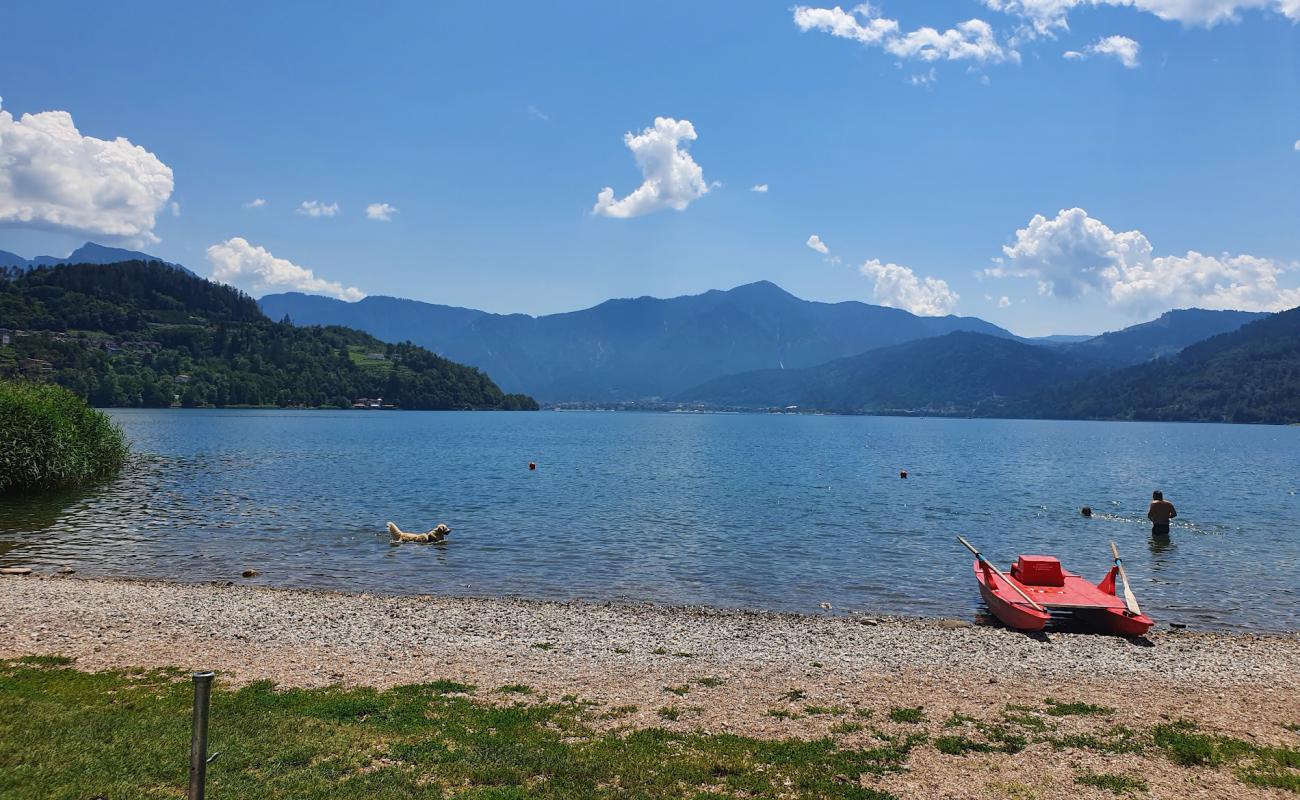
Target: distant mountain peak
88,253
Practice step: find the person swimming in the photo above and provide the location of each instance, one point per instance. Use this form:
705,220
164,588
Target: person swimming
1160,512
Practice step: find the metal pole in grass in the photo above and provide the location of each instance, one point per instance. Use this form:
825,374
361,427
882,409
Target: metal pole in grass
199,737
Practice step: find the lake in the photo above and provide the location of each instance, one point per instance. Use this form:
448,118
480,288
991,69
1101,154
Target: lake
774,512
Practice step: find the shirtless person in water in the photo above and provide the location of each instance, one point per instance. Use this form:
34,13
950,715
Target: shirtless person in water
1160,513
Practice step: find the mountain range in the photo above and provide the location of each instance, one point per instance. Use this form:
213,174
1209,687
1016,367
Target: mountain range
88,253
696,348
758,346
633,349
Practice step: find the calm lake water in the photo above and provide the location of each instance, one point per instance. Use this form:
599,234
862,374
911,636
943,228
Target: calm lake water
772,512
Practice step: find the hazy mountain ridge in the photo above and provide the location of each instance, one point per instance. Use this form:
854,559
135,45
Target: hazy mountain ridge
630,349
1248,375
88,253
954,373
1162,337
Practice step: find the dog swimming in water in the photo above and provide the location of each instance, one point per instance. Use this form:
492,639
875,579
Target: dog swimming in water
435,536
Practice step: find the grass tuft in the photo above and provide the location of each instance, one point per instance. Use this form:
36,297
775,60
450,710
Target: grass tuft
1119,784
911,715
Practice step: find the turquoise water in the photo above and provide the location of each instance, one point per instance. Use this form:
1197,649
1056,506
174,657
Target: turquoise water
757,511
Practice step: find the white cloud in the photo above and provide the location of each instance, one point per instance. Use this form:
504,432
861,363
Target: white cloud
924,78
537,113
381,211
1004,302
761,188
816,243
972,40
1297,145
1122,48
255,203
899,287
1045,17
53,177
315,208
175,208
672,178
1075,255
254,269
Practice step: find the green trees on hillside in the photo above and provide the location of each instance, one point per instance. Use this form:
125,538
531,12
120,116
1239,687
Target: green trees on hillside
139,334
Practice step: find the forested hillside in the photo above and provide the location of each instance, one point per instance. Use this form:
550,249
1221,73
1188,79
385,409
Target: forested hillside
144,334
1249,375
957,373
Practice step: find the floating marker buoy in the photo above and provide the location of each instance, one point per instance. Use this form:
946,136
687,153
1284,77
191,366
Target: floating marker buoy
902,473
532,465
1086,511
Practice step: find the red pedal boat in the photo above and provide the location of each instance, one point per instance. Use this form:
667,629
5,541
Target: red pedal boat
1038,585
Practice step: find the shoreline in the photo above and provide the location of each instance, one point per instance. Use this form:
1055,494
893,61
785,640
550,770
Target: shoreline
766,675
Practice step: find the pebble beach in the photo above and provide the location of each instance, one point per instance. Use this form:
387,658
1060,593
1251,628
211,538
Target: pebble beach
751,673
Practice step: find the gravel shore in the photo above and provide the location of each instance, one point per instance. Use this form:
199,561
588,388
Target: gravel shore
738,666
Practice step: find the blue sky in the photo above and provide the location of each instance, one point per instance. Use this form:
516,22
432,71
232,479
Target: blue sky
492,129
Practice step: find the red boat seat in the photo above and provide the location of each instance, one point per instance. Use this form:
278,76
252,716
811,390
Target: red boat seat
1038,571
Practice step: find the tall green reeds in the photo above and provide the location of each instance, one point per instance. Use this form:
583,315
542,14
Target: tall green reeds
50,438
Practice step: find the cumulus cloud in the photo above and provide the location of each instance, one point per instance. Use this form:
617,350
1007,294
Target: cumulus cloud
972,40
672,178
899,287
1074,255
1121,48
255,203
1045,17
254,269
761,188
816,243
382,212
1297,145
1004,302
315,208
175,208
53,177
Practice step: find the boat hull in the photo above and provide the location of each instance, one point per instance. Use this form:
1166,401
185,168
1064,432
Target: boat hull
1006,604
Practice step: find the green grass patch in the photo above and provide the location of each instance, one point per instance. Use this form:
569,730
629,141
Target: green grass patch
820,711
910,715
864,713
1027,721
65,733
670,713
542,645
782,713
515,688
618,712
1119,784
659,651
622,651
1115,739
709,683
1057,708
680,691
683,655
847,726
961,745
46,661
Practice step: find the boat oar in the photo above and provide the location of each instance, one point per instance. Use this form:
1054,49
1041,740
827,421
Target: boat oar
980,558
1129,599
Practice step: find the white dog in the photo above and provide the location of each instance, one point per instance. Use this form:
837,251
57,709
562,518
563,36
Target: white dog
436,535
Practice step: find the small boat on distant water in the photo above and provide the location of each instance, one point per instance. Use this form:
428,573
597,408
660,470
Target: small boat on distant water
1038,585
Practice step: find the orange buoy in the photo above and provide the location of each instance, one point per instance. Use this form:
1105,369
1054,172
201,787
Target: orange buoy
532,465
